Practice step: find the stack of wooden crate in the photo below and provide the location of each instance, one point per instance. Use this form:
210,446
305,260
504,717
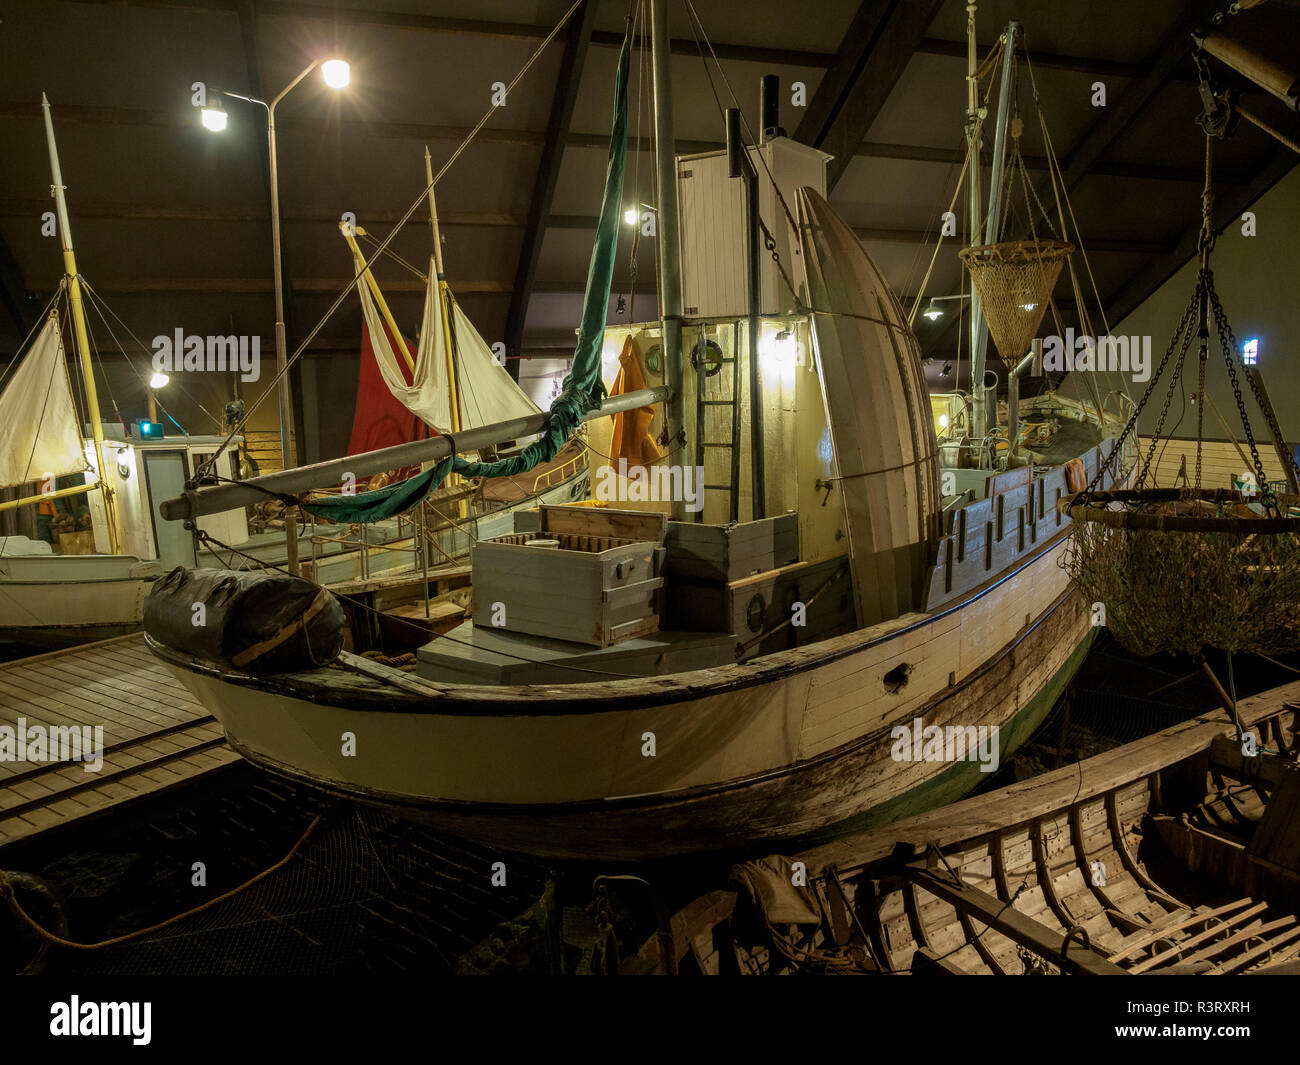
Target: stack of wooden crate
722,577
583,574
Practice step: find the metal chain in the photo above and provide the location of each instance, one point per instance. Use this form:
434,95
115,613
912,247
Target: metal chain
1228,345
769,242
1202,360
1185,331
1104,467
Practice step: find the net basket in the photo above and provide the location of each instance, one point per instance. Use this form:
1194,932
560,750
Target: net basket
1014,281
1186,569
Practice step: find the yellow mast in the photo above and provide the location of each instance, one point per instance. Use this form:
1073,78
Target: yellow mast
443,295
444,299
79,329
373,285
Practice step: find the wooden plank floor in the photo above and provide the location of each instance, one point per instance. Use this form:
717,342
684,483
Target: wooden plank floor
156,735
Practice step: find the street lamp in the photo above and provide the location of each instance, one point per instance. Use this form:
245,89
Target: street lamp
336,74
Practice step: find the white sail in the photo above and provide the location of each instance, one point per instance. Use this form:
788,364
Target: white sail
487,391
39,434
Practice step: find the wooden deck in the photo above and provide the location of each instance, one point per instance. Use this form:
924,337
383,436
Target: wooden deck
156,736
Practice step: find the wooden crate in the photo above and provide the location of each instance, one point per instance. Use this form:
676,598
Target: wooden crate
592,589
728,553
77,543
599,521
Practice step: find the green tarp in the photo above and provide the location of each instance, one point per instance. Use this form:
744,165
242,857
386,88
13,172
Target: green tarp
583,388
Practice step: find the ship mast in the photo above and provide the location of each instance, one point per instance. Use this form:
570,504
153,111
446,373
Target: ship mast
670,273
983,418
443,296
79,329
444,300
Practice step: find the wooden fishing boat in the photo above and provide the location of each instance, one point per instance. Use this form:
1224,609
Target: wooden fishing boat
662,680
94,588
1177,853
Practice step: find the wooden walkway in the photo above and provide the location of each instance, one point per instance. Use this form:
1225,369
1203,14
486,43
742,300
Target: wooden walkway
156,736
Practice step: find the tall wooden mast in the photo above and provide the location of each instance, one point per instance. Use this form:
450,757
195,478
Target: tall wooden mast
670,271
79,329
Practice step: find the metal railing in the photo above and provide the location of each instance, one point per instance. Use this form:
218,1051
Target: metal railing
560,473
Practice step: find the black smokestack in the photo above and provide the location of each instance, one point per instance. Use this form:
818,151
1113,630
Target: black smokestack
769,95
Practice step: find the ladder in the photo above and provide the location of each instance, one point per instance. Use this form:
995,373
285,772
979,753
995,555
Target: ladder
709,368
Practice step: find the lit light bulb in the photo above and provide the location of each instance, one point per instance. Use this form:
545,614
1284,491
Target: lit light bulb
213,118
943,421
159,380
630,216
1028,306
336,73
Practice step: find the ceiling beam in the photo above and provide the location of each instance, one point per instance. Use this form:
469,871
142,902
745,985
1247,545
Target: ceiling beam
518,31
76,114
244,286
921,236
1228,210
16,208
1173,51
577,42
521,31
1106,68
881,38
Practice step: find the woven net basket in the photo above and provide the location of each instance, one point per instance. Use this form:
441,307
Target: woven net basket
1014,281
1187,569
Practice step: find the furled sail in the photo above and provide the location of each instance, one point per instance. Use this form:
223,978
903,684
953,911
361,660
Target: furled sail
488,392
39,434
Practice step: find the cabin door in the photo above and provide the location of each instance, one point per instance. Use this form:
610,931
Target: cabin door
164,477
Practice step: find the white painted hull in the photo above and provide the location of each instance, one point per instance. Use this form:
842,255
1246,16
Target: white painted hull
784,746
60,600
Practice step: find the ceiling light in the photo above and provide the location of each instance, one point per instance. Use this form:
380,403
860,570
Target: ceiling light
934,312
630,216
336,73
159,380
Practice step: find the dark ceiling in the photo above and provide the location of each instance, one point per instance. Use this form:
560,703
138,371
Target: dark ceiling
172,223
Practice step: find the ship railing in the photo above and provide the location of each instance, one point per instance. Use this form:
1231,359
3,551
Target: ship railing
559,473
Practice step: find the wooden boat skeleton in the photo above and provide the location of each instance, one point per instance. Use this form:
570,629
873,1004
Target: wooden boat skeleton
1177,853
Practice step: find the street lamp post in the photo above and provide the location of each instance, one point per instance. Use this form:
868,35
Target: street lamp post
336,75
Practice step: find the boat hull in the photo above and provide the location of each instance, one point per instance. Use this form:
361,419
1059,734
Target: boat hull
62,600
797,755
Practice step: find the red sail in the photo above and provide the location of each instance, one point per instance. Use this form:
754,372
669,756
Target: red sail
380,419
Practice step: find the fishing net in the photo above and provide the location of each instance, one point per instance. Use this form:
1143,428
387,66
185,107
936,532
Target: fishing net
1014,280
1184,568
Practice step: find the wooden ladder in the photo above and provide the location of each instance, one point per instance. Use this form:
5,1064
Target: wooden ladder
701,361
